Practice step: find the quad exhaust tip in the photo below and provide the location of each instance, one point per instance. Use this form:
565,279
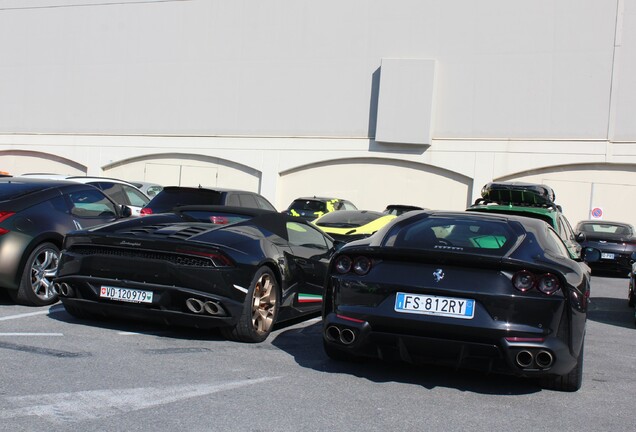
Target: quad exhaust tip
62,289
345,336
542,359
209,307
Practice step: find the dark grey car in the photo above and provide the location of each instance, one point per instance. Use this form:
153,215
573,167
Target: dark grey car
176,196
615,240
35,214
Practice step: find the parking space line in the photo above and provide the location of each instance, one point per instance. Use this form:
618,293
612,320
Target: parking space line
31,334
30,314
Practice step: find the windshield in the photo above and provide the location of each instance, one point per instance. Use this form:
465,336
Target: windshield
348,219
308,206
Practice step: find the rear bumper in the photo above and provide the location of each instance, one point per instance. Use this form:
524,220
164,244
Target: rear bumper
168,305
494,354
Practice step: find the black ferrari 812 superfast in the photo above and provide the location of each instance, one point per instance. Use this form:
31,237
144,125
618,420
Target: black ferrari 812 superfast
499,293
238,269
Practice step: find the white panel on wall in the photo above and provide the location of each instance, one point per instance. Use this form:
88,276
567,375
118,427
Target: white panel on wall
405,102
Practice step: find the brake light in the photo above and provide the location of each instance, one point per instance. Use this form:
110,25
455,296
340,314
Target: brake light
145,211
4,215
219,220
218,259
546,283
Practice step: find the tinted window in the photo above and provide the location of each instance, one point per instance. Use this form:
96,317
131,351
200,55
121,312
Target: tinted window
135,198
248,200
490,237
606,228
345,219
169,198
263,203
308,205
306,236
346,205
557,245
91,203
113,190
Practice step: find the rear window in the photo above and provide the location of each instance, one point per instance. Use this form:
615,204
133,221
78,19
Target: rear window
491,237
605,228
308,206
169,198
13,190
346,219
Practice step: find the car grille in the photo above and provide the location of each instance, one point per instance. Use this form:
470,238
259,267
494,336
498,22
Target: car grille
174,258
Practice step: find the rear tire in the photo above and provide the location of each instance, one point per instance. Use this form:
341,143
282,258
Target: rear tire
37,277
260,310
630,292
570,382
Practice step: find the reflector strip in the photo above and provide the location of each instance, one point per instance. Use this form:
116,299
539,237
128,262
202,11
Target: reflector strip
356,320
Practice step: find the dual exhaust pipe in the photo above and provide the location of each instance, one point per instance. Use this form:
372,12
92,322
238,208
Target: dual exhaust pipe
345,335
526,359
62,289
209,307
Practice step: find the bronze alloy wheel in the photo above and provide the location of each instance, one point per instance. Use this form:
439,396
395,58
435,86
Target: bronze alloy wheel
260,309
264,299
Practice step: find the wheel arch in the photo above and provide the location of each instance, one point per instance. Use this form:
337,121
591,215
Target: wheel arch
52,237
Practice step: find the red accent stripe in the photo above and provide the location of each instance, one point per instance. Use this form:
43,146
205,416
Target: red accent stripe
524,339
318,300
356,320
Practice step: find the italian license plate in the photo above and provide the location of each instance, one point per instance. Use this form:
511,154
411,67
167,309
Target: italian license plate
606,255
125,294
435,305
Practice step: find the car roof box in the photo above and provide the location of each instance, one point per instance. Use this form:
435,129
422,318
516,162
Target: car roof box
518,193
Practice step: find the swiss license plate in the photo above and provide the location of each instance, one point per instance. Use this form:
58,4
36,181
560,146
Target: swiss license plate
606,255
435,305
125,294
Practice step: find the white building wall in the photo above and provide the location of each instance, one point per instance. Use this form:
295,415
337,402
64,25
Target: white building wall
256,90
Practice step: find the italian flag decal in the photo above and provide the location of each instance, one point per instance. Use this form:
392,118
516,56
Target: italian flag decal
309,298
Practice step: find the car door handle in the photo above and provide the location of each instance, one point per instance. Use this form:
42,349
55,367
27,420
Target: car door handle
301,261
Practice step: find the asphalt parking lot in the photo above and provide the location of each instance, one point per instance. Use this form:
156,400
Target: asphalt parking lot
63,374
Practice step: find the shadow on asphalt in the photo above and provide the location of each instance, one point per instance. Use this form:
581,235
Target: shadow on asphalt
58,313
611,310
305,345
5,299
153,328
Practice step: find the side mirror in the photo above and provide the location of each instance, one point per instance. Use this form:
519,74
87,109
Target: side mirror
590,255
579,237
125,211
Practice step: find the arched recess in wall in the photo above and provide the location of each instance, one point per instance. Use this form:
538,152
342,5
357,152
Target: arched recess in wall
581,187
184,169
18,162
373,183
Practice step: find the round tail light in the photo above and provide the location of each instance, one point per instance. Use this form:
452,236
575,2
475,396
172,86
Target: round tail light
523,280
343,264
548,284
362,265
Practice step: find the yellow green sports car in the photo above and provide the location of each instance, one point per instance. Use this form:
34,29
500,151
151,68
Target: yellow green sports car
310,208
349,225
